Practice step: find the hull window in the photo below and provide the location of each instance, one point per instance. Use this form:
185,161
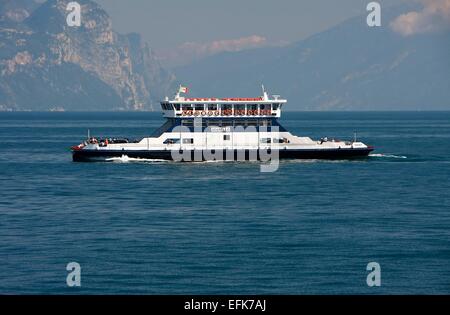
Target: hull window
280,140
172,141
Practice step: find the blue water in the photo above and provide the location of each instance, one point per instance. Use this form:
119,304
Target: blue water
220,228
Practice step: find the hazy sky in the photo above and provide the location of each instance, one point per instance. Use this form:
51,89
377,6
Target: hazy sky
170,23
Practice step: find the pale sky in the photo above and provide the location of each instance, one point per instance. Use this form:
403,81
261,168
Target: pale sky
166,24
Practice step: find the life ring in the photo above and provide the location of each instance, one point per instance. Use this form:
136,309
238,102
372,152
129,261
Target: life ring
210,113
203,113
217,113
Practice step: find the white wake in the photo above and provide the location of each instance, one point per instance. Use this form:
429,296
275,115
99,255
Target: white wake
391,156
126,159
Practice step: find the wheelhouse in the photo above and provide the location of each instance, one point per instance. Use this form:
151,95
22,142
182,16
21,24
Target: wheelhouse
182,107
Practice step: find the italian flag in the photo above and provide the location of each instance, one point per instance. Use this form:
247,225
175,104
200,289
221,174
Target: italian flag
183,89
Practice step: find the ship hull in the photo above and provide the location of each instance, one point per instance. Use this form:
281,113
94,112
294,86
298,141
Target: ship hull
236,155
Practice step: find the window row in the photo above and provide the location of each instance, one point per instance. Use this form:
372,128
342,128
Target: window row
223,107
225,138
225,123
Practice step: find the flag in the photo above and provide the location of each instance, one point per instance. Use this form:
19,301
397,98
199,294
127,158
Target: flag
183,89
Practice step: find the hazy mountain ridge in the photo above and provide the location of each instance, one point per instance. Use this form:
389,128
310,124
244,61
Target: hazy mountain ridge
45,65
15,11
348,67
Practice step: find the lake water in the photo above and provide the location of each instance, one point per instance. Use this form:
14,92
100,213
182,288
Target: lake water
226,228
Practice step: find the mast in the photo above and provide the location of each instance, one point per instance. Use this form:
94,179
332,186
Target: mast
265,96
177,96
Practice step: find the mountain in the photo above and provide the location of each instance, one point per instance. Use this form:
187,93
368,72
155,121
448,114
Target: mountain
47,65
348,67
13,11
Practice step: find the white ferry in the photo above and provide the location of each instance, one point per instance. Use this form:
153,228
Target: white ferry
200,129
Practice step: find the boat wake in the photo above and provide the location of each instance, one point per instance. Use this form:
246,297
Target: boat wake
127,159
390,156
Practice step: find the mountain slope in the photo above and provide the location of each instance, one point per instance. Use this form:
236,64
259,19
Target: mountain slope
15,11
349,67
44,64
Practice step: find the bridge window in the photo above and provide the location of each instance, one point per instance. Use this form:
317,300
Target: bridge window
177,106
199,107
227,109
186,107
239,109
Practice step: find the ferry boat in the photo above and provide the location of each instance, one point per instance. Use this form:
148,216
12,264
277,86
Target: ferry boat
202,129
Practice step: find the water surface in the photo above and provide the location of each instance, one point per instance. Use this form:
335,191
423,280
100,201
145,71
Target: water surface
220,228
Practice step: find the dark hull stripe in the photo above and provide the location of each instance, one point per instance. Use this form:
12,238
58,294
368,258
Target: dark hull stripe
330,154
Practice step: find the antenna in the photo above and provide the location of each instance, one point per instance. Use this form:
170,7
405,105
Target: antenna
354,136
265,96
89,134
